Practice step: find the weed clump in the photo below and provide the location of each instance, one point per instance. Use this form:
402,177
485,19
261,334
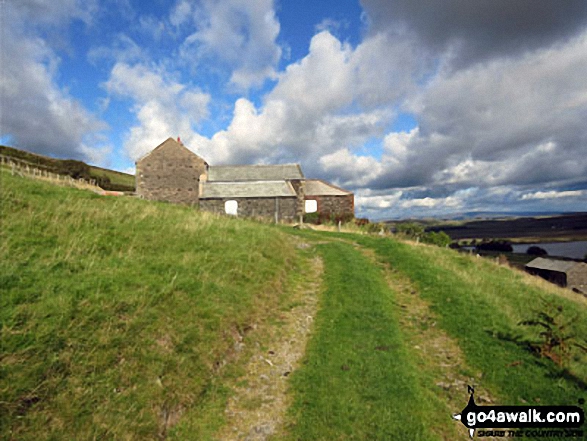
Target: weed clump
556,338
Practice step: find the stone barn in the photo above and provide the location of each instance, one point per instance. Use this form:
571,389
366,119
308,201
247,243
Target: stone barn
565,273
171,172
253,191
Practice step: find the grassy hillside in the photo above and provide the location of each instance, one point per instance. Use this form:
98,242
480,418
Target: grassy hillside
119,317
107,179
444,321
123,319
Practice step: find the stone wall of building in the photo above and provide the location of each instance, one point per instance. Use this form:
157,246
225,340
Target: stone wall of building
171,173
555,277
298,186
335,205
256,207
577,277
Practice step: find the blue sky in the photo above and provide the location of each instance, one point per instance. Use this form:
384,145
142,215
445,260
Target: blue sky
421,108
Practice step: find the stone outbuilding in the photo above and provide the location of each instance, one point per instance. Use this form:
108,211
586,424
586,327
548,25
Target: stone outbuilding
327,200
171,172
565,273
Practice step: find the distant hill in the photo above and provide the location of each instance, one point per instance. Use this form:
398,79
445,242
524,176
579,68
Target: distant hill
476,215
566,226
106,179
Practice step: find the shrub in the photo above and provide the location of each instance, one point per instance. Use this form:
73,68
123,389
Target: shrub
376,227
361,221
325,218
311,218
75,169
410,229
536,251
437,238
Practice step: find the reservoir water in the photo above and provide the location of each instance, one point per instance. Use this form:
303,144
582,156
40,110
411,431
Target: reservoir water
574,250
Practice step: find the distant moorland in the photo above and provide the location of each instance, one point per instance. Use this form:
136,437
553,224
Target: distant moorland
571,226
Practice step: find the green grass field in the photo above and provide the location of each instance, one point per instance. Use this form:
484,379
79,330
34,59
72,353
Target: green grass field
119,318
118,315
116,178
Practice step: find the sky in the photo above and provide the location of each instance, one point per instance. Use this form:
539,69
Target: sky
422,108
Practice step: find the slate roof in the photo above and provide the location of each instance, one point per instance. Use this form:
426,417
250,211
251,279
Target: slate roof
234,173
316,187
560,266
248,189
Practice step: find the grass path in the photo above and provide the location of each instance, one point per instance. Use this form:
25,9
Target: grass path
256,409
478,305
357,381
437,356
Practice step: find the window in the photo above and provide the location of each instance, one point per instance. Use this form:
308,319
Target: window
231,207
311,206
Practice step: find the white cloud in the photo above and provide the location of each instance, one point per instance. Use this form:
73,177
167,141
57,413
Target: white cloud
123,48
350,169
163,106
330,25
366,202
323,104
553,194
42,116
49,12
427,202
241,34
322,109
180,13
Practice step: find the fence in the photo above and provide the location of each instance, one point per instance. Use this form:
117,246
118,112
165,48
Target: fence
20,167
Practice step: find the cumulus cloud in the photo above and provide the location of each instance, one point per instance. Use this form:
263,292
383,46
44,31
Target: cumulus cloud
37,114
508,122
323,108
241,34
349,169
163,106
500,108
366,201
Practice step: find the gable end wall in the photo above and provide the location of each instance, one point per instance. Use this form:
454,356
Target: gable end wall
171,173
335,206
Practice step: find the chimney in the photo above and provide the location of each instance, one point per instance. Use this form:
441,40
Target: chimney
178,140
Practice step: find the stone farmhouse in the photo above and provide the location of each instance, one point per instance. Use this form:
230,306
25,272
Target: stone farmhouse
171,172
